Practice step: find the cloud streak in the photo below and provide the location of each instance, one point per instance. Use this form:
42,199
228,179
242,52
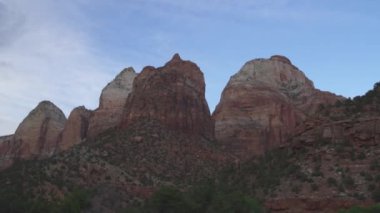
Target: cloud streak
43,58
67,51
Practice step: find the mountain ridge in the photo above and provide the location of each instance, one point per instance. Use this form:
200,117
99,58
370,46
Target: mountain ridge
276,137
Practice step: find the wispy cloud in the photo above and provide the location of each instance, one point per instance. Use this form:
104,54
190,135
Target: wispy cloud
41,57
66,51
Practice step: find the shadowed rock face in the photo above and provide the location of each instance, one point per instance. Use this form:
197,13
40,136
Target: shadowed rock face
174,95
112,102
263,104
6,151
38,133
76,128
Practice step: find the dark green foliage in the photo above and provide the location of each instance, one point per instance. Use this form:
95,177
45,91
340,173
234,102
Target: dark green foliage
296,189
361,156
376,194
72,203
332,181
314,187
265,172
368,177
207,198
375,165
371,209
371,98
348,181
170,200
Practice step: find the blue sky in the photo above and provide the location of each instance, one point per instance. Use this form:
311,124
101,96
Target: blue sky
67,51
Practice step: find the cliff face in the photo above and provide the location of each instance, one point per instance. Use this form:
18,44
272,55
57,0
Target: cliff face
263,104
76,128
173,95
112,102
38,133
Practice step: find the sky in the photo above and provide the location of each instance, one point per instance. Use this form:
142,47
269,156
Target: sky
66,51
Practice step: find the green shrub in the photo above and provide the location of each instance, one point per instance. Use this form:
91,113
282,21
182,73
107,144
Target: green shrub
296,189
348,181
332,181
376,194
374,165
361,156
314,187
170,200
203,199
356,209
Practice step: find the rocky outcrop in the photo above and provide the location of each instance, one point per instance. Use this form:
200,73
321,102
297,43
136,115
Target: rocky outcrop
76,128
361,131
38,133
173,95
263,104
112,102
6,151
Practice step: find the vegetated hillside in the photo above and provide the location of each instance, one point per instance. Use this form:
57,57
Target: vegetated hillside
324,169
120,168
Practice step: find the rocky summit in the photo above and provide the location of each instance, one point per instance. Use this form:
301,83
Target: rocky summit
112,102
38,133
264,103
274,143
173,95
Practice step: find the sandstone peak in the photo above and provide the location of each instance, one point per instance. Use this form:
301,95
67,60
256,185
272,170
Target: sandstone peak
174,95
263,103
111,103
48,109
269,72
118,88
38,133
280,58
176,57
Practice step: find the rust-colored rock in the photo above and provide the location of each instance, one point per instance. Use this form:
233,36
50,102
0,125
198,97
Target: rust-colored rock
76,128
173,95
38,133
263,104
112,102
359,131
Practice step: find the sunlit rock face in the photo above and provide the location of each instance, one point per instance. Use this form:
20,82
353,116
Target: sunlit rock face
38,134
263,103
112,102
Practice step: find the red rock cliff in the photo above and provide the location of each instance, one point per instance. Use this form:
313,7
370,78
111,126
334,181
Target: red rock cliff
263,104
174,95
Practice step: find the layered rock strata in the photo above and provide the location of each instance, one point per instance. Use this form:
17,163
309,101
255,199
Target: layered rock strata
111,103
263,104
76,128
173,95
39,132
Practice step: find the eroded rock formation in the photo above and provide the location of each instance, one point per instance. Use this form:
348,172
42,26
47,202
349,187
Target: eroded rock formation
76,128
263,104
38,133
173,95
112,102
